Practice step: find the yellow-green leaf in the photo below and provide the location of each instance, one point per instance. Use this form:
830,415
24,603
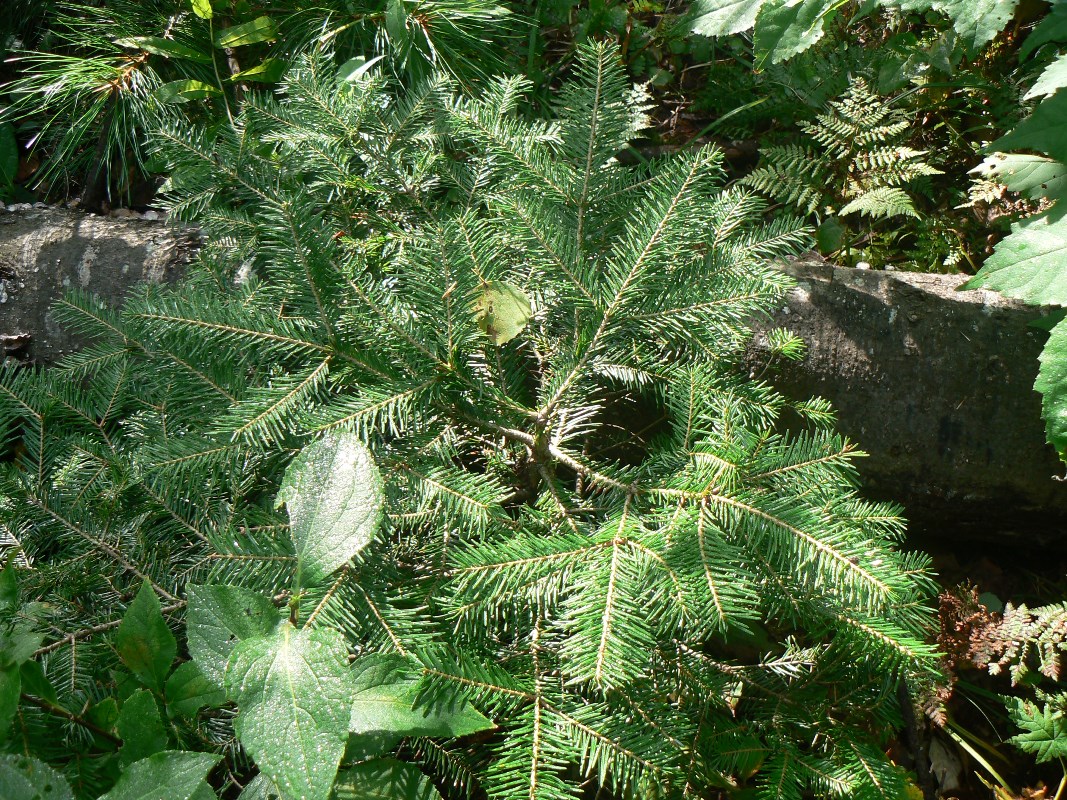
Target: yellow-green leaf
184,91
502,311
261,29
168,48
202,8
269,70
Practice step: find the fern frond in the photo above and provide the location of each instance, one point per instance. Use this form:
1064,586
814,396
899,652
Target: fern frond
890,201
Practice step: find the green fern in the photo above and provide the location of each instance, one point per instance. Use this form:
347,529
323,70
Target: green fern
855,161
884,202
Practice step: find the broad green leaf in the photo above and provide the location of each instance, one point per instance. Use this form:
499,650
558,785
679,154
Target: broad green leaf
785,28
140,728
202,8
363,746
1032,176
978,21
26,778
170,775
293,691
1054,77
219,617
1041,131
356,69
396,22
34,681
10,689
9,167
830,236
183,91
143,640
333,492
269,70
1030,264
19,645
502,310
384,703
385,779
261,29
1048,321
1044,733
722,17
260,788
1052,385
188,690
104,714
168,48
1053,28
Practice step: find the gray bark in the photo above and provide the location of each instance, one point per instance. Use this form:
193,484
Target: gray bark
937,386
46,251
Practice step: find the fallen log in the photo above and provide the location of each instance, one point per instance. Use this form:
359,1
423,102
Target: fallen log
44,251
936,385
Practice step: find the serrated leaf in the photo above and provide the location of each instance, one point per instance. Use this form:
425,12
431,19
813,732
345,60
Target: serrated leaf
1054,77
1041,131
143,640
10,689
723,17
385,779
785,28
183,91
218,618
202,8
978,21
261,29
26,778
1044,730
333,493
1031,176
293,690
170,775
383,703
502,310
188,690
269,70
1030,264
1052,385
168,48
140,728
